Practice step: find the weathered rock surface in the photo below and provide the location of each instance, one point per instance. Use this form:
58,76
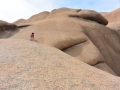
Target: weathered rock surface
113,16
104,67
62,35
91,15
84,39
26,65
6,26
38,17
34,18
7,29
79,46
114,26
19,21
114,19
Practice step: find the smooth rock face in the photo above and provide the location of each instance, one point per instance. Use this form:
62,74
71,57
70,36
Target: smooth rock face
37,17
87,52
113,16
19,21
114,23
27,65
115,26
107,41
104,67
92,15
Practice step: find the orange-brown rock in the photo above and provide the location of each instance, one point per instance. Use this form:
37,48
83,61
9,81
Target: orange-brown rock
114,26
3,22
7,29
113,16
26,65
6,26
107,41
104,67
19,21
114,19
38,17
69,49
91,15
84,39
103,13
34,18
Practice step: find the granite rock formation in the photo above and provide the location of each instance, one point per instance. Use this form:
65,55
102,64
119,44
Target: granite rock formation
27,65
69,49
7,29
85,38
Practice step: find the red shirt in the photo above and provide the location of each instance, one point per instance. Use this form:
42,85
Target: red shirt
32,35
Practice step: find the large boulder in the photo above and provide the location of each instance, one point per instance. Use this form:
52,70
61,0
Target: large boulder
6,26
7,29
37,17
3,22
107,41
113,16
91,15
114,19
34,18
63,34
19,21
79,13
61,12
26,65
84,39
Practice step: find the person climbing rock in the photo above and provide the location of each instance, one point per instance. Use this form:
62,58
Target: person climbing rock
32,36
